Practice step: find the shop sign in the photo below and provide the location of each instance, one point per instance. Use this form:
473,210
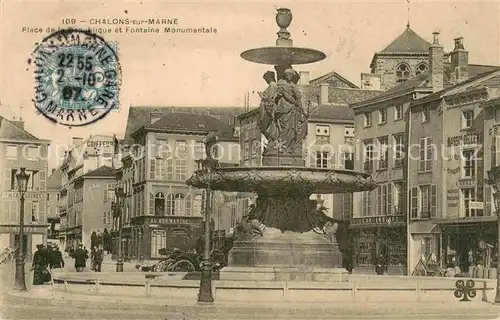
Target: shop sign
26,229
168,220
467,139
27,195
378,220
178,232
469,183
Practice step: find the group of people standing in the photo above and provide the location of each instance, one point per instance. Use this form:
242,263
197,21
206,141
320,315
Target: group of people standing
48,258
44,260
81,256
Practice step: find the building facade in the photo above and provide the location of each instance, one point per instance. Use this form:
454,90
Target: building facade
75,209
167,212
452,129
397,132
53,217
22,149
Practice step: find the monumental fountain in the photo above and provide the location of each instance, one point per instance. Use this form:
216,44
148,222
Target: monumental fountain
297,240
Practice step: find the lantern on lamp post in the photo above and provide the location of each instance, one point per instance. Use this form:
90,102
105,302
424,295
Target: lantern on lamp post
22,181
494,181
117,213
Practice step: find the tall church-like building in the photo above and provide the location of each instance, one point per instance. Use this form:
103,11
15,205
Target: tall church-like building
404,58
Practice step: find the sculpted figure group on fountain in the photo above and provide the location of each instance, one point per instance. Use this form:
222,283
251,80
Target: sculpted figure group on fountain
283,120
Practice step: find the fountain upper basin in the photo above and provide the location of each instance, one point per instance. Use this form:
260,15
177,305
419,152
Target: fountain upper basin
272,179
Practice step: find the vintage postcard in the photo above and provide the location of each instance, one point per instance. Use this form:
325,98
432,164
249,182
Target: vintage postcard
249,159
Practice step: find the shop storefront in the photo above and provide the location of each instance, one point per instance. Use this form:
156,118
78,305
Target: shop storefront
460,238
154,233
381,235
33,235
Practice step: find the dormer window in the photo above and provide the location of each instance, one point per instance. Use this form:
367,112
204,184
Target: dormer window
201,125
402,72
467,119
382,119
368,119
421,68
425,114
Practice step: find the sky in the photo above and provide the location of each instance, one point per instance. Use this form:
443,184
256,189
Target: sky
207,70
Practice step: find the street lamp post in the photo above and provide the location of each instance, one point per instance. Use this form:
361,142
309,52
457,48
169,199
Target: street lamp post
205,294
117,210
20,284
494,181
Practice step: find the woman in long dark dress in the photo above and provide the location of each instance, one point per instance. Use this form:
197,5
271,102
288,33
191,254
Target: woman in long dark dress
39,266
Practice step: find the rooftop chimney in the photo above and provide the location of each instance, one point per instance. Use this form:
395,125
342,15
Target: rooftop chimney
436,64
459,61
207,112
323,93
304,77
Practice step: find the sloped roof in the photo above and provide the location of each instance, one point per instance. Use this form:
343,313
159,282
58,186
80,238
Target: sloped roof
139,116
328,112
473,70
188,121
407,42
330,75
227,134
441,93
343,96
103,171
420,81
54,180
9,131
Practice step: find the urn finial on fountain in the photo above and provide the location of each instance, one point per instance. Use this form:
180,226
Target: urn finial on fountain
283,19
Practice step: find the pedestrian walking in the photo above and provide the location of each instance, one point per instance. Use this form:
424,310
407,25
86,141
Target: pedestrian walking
380,266
39,266
57,261
99,257
80,257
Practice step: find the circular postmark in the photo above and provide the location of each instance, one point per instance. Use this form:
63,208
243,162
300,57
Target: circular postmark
77,77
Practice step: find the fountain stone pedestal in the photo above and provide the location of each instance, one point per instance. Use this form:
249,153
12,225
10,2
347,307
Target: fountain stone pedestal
288,256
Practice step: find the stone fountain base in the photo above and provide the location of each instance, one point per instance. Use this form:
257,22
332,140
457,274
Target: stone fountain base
288,256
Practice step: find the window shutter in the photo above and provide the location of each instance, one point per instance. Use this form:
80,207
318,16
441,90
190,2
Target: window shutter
105,195
152,169
7,179
42,180
433,201
151,204
332,161
421,160
389,199
41,212
312,159
379,198
27,212
487,201
430,155
414,202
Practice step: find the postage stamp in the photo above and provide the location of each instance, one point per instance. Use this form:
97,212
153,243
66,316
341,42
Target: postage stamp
77,77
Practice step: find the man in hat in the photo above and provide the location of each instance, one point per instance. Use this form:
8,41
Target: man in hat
80,257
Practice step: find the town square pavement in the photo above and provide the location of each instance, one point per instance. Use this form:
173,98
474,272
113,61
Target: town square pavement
39,303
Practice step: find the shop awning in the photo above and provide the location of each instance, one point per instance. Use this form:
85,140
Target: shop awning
424,227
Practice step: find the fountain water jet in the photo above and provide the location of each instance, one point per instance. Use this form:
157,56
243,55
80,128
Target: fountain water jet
297,240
